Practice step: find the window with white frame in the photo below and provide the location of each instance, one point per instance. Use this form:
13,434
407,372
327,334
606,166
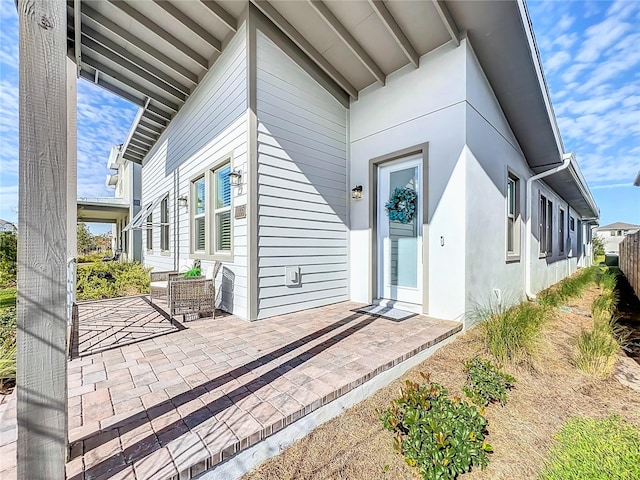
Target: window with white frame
561,220
513,217
572,224
211,212
164,224
150,231
545,221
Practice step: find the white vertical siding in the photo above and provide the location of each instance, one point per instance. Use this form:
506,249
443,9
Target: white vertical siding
211,126
302,186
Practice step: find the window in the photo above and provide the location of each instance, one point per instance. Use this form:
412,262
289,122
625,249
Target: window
211,212
164,224
513,217
572,224
561,240
545,221
150,232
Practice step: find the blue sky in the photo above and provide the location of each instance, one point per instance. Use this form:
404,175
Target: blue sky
591,60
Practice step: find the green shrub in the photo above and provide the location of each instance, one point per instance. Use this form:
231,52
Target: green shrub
8,318
603,306
596,350
486,383
440,436
608,280
111,279
8,350
513,335
589,449
94,257
8,259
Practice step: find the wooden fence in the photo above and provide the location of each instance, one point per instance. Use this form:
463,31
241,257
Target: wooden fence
630,260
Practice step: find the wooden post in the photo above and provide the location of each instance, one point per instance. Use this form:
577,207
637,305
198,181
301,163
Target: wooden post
42,242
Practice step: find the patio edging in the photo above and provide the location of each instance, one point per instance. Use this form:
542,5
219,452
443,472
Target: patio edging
392,369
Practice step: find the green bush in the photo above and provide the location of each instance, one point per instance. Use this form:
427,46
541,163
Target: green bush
608,280
603,306
8,319
596,350
94,257
589,449
486,383
111,279
8,350
514,334
8,259
193,272
440,436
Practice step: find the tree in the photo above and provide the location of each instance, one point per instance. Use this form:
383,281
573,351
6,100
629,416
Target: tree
598,246
85,239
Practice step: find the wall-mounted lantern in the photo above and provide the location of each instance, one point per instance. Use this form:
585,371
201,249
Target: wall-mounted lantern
182,201
235,178
356,192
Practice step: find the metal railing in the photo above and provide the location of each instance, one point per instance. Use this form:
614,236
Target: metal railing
630,260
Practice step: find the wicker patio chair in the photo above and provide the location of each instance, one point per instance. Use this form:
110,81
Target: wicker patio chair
159,286
191,296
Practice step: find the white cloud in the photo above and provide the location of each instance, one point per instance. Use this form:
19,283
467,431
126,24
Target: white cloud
600,37
557,60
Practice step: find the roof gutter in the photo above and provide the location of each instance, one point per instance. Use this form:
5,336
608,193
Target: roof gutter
567,159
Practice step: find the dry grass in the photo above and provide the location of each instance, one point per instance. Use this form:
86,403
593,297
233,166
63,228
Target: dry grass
354,446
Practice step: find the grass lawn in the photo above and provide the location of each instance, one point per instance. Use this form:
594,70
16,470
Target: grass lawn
548,392
7,297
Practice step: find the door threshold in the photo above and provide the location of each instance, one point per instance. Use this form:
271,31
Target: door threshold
407,307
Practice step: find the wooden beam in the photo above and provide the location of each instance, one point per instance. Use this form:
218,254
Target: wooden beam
225,17
109,72
447,20
42,243
190,24
155,119
161,32
296,37
136,141
101,54
122,52
96,18
351,43
107,85
396,32
150,127
77,43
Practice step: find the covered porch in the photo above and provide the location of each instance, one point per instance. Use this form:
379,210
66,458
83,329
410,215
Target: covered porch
183,402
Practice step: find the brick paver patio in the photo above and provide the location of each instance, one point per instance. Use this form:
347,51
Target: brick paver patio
103,324
180,403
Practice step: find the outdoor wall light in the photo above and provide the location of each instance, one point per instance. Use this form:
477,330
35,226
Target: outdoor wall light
182,201
235,178
356,192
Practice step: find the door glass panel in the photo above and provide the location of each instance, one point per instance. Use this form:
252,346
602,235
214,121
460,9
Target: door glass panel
403,237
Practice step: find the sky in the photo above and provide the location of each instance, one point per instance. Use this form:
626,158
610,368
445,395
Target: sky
591,56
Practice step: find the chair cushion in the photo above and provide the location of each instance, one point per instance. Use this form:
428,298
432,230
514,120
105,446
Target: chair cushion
161,284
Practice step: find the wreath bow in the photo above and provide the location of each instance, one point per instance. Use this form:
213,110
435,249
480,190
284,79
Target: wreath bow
402,205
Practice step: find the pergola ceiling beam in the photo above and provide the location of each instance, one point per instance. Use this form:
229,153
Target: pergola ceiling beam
351,43
128,56
136,150
150,127
190,24
134,69
131,158
102,68
151,137
107,85
161,32
140,143
99,19
296,37
396,32
447,20
77,45
155,119
222,15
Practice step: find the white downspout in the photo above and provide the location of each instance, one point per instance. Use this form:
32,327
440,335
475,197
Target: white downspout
566,158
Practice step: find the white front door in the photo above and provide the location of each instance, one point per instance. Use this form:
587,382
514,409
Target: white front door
400,241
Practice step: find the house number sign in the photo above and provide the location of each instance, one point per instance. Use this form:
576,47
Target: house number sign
240,211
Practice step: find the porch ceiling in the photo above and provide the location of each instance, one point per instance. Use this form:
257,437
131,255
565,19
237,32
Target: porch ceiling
155,52
102,210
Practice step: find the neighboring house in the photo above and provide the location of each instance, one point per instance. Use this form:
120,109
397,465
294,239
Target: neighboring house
279,158
119,209
8,227
613,234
